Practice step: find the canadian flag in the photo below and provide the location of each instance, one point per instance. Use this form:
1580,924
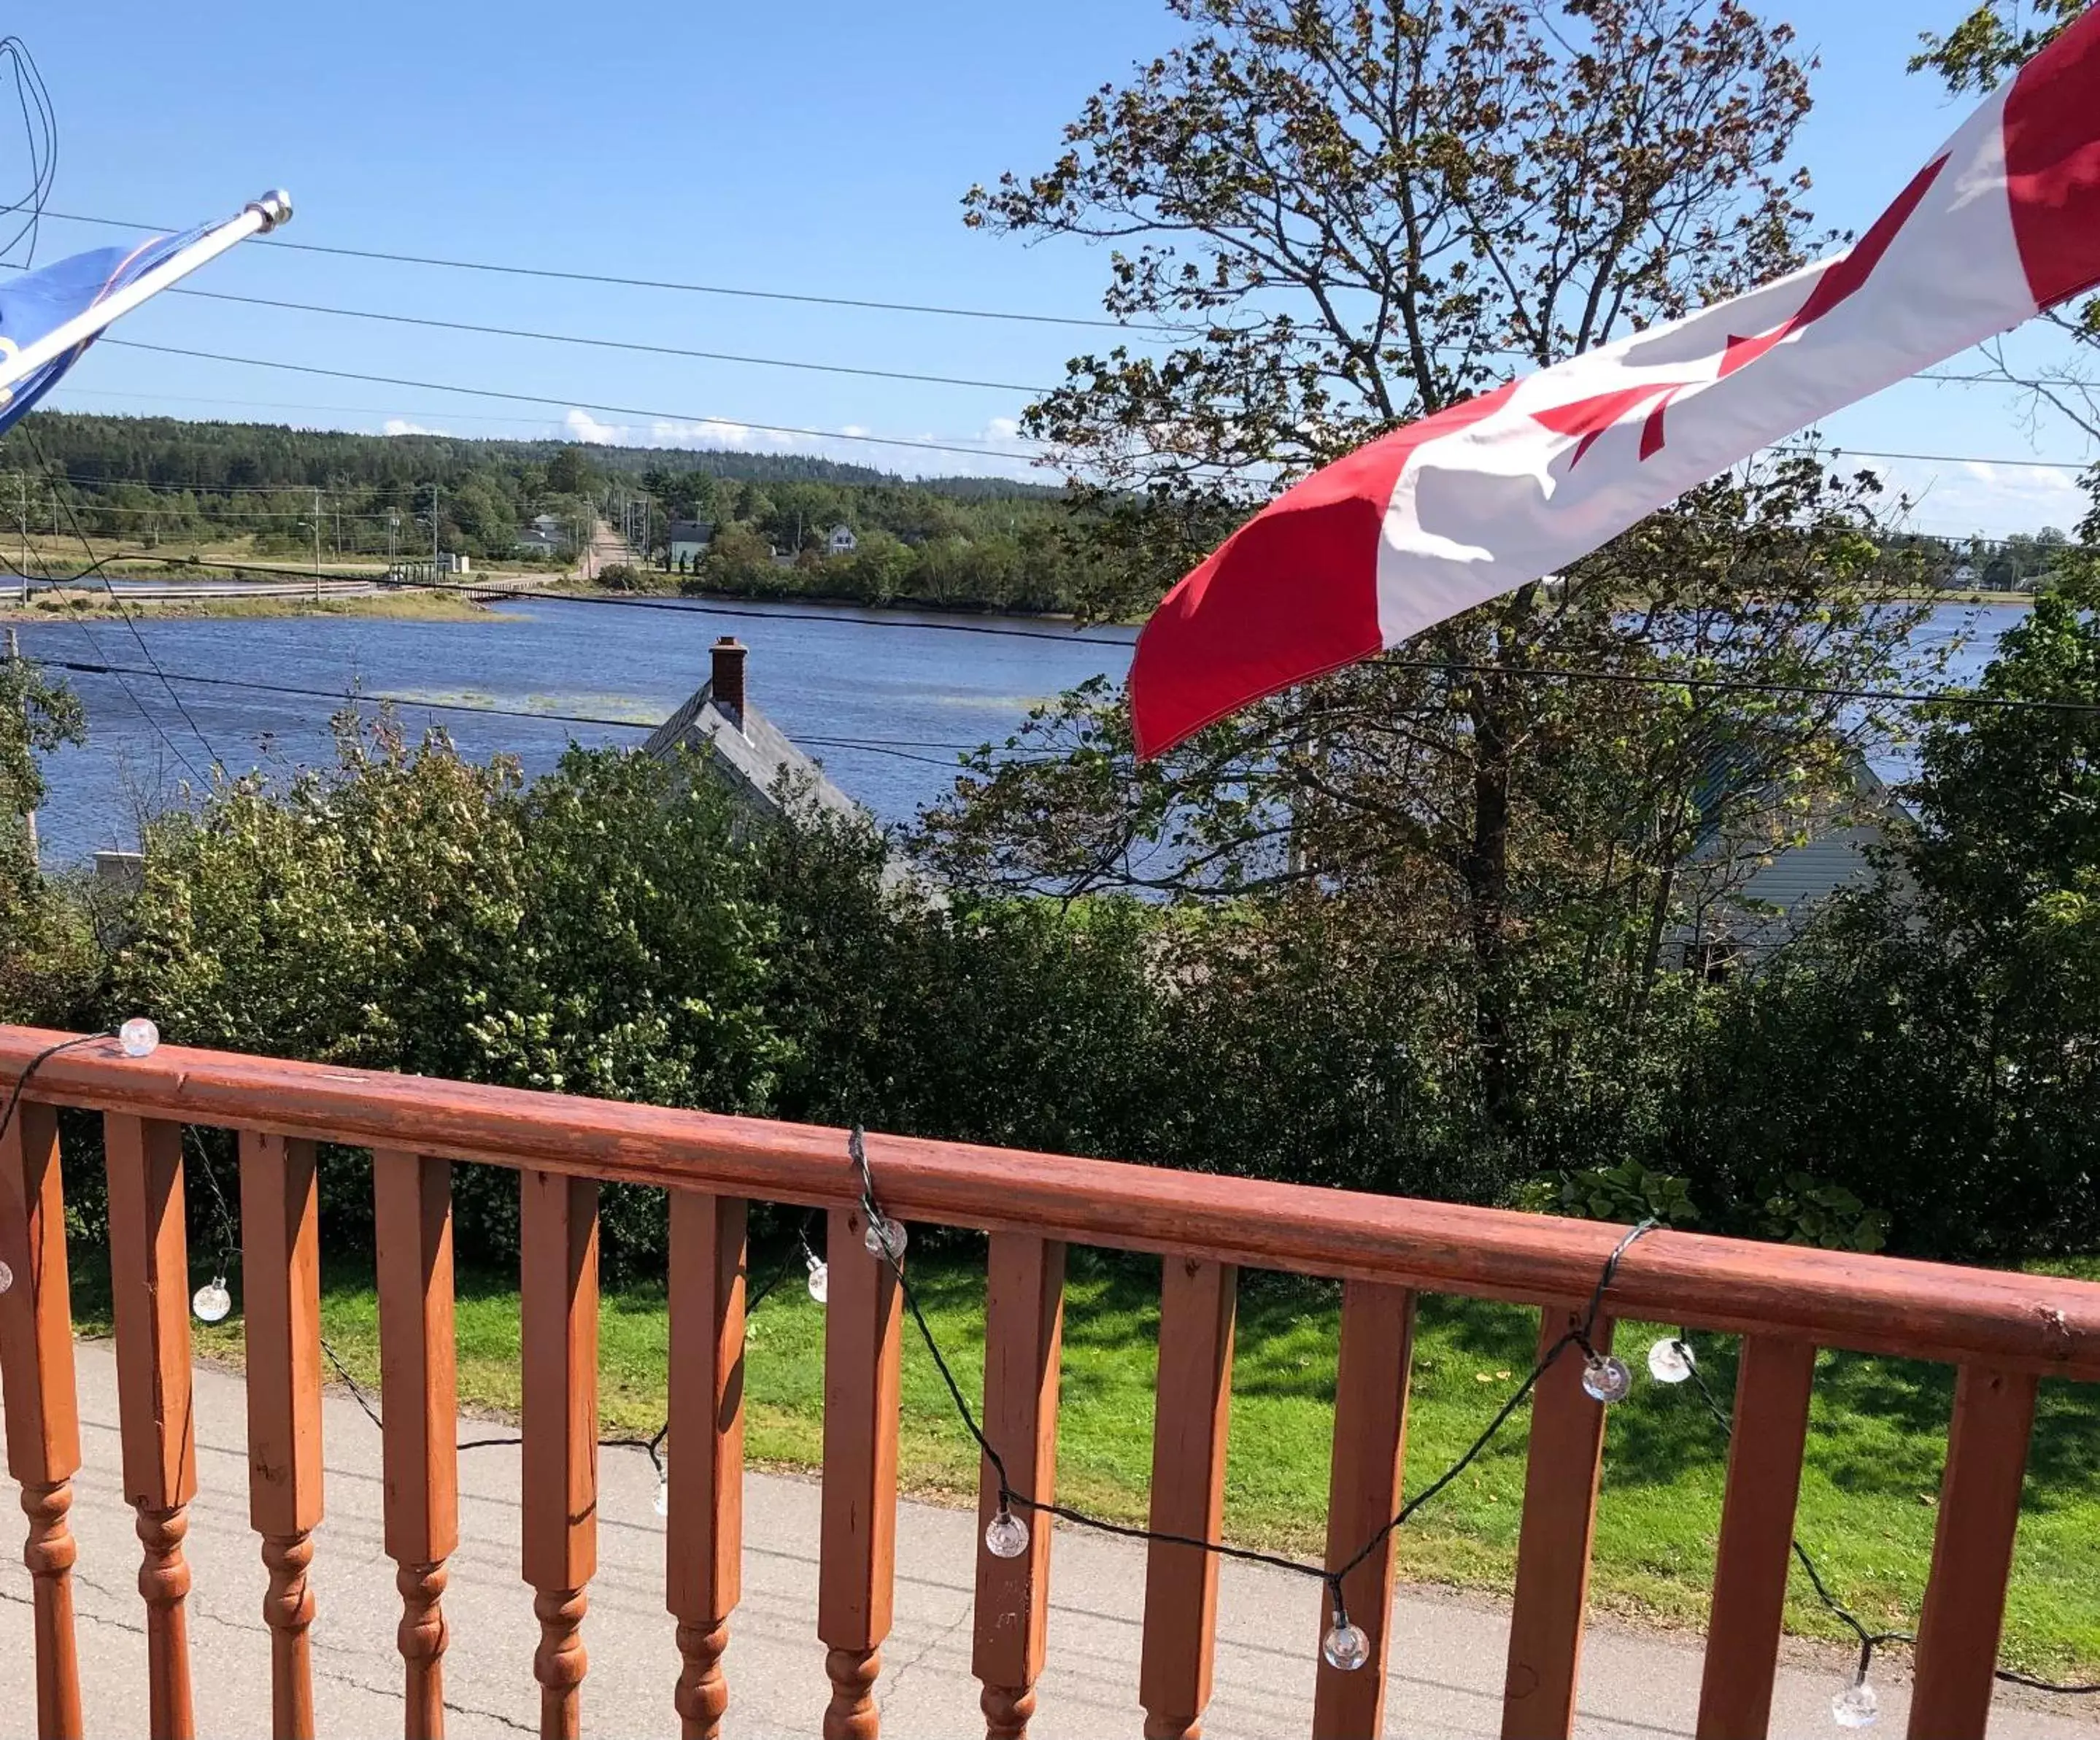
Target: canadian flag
1502,489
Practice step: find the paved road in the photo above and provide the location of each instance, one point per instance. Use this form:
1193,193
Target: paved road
1445,1682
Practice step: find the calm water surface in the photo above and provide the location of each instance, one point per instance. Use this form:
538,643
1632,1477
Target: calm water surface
913,685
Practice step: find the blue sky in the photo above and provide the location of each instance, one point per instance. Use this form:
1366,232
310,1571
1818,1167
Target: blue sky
804,146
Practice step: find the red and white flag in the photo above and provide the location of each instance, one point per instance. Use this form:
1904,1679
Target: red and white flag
1508,488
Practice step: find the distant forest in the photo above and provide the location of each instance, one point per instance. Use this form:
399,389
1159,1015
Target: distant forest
265,490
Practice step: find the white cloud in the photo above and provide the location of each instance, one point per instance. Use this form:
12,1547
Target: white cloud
582,426
853,443
403,426
1975,495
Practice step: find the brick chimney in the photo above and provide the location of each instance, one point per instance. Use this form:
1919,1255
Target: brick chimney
728,677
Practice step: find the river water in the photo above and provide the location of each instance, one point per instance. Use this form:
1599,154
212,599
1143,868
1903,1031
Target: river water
906,691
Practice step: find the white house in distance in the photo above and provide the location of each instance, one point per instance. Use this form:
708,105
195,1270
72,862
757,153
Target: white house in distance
840,541
543,537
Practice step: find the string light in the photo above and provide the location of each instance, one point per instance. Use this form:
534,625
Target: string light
663,1495
820,1278
1857,1706
1006,1536
1669,1361
139,1037
1607,1379
1345,1646
6,1277
883,1237
212,1302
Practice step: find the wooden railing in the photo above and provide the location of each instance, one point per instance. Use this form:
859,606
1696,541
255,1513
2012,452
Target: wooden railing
2003,1331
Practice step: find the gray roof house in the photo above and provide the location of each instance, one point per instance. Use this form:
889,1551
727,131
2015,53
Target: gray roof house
752,758
688,541
1751,886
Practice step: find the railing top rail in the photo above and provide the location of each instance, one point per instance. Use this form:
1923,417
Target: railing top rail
1874,1304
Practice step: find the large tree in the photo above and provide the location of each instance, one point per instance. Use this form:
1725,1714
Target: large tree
1326,218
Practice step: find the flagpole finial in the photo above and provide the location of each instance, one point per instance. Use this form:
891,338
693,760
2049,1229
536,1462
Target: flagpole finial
275,207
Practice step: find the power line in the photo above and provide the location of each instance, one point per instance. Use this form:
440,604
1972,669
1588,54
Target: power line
1093,321
580,404
610,344
936,446
897,746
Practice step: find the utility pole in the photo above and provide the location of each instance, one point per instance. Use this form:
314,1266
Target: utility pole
433,534
22,483
29,816
317,545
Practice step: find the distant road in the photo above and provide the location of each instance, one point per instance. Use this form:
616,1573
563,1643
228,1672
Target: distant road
606,547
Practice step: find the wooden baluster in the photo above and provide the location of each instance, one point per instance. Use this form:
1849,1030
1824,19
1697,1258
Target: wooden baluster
1553,1550
419,1402
1024,1342
280,1271
1363,1496
1193,1398
1772,1386
557,1310
150,1286
43,1412
858,1558
1972,1553
703,1540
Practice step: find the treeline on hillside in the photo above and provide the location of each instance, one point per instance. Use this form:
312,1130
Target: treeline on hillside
164,483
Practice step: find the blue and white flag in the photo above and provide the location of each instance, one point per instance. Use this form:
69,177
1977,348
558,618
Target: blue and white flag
37,303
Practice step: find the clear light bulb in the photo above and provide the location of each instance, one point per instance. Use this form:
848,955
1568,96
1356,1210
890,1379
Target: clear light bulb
1006,1536
1856,1706
1606,1379
662,1495
884,1237
6,1277
1669,1361
820,1279
139,1036
1345,1646
212,1302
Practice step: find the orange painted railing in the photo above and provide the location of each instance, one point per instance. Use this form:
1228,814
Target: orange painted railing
2003,1331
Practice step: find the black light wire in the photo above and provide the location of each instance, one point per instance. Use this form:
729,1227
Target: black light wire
1009,1496
38,1062
654,1443
1869,1641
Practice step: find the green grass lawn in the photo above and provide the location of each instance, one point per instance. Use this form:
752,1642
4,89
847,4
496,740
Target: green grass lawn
1867,1497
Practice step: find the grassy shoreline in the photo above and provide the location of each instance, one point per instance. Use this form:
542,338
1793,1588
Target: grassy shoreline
83,606
1869,1487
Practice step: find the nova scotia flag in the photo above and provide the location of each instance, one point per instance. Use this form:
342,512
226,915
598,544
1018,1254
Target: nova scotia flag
39,302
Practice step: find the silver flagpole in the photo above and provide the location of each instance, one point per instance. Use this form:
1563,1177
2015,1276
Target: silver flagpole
258,216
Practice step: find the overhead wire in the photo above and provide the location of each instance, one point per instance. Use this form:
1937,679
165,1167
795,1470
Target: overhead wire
978,452
571,276
211,754
901,748
577,404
